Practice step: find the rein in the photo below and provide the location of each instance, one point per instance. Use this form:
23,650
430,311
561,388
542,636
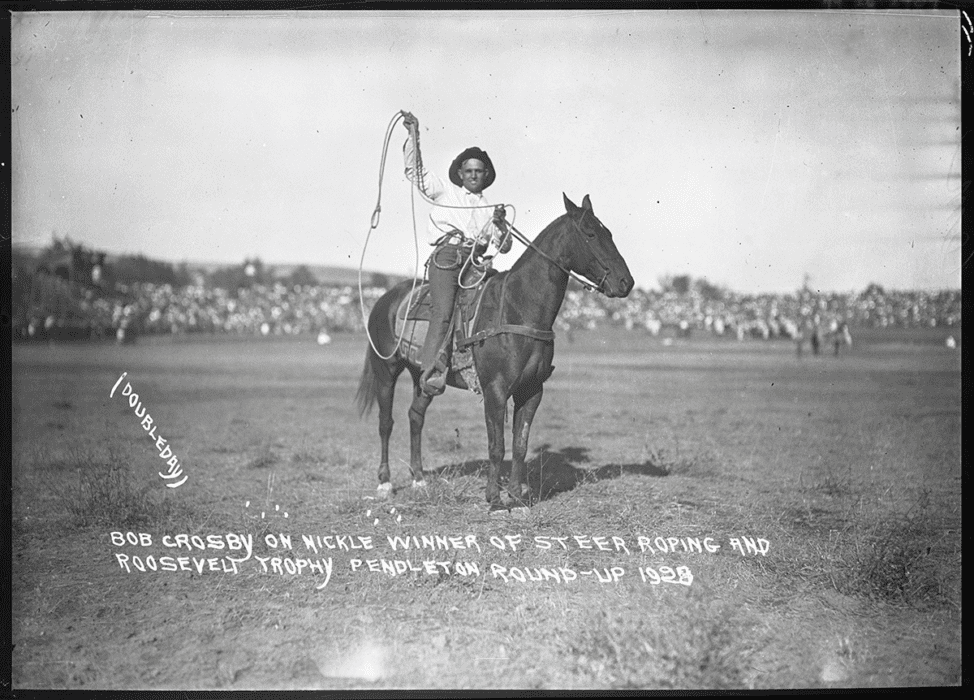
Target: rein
591,286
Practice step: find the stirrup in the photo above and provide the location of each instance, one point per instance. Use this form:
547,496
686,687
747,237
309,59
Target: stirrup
433,383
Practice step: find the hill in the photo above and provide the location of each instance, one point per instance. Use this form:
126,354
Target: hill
326,274
29,256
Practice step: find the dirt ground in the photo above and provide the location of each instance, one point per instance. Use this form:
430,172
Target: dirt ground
847,468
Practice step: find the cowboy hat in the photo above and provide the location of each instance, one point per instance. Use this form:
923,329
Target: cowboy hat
472,152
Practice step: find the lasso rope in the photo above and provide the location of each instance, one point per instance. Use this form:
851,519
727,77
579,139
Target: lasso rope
374,223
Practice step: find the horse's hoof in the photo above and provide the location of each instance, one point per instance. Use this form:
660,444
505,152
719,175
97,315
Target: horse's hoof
419,484
384,490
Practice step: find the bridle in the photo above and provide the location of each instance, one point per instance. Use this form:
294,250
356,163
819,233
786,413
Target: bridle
591,286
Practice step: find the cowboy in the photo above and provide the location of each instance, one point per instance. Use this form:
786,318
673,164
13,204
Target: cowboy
461,219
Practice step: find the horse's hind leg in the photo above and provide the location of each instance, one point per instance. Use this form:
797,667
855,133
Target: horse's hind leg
386,376
417,417
525,406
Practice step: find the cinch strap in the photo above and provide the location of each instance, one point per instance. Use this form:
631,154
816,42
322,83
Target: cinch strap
507,328
480,336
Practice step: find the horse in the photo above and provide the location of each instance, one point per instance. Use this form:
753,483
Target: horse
511,341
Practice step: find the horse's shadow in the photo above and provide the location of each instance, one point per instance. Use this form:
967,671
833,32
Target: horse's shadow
551,472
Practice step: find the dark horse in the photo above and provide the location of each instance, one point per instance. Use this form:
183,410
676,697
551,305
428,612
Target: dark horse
516,346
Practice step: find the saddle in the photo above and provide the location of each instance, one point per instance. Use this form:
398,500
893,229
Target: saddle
412,323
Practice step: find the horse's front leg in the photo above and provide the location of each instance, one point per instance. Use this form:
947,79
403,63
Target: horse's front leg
495,405
417,417
525,406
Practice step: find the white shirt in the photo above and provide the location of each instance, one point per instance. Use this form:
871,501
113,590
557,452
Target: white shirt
451,210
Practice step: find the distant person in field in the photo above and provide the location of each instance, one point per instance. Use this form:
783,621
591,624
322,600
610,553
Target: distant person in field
815,335
840,335
463,218
809,330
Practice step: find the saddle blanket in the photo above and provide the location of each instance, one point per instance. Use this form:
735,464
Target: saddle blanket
412,324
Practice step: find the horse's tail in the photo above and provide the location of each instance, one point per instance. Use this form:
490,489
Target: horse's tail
366,396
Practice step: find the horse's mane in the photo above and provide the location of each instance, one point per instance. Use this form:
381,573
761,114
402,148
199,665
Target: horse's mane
540,241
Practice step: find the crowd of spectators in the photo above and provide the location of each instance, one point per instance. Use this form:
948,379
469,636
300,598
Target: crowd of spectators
279,309
146,308
258,310
763,315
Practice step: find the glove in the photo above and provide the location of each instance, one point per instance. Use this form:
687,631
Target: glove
503,241
505,245
409,121
500,216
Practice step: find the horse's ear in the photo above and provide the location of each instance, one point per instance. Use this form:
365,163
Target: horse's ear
569,204
587,203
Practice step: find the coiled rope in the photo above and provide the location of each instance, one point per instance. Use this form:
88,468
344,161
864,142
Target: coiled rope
374,224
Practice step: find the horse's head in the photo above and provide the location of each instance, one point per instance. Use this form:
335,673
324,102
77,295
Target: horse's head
593,254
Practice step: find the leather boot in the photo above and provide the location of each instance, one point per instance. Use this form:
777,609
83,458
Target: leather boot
432,381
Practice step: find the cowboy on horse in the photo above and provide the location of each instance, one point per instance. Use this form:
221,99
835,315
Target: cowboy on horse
462,225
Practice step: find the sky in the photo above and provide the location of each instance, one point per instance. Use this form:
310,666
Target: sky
756,149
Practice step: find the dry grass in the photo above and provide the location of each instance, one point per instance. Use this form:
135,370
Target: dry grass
858,554
101,490
682,644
